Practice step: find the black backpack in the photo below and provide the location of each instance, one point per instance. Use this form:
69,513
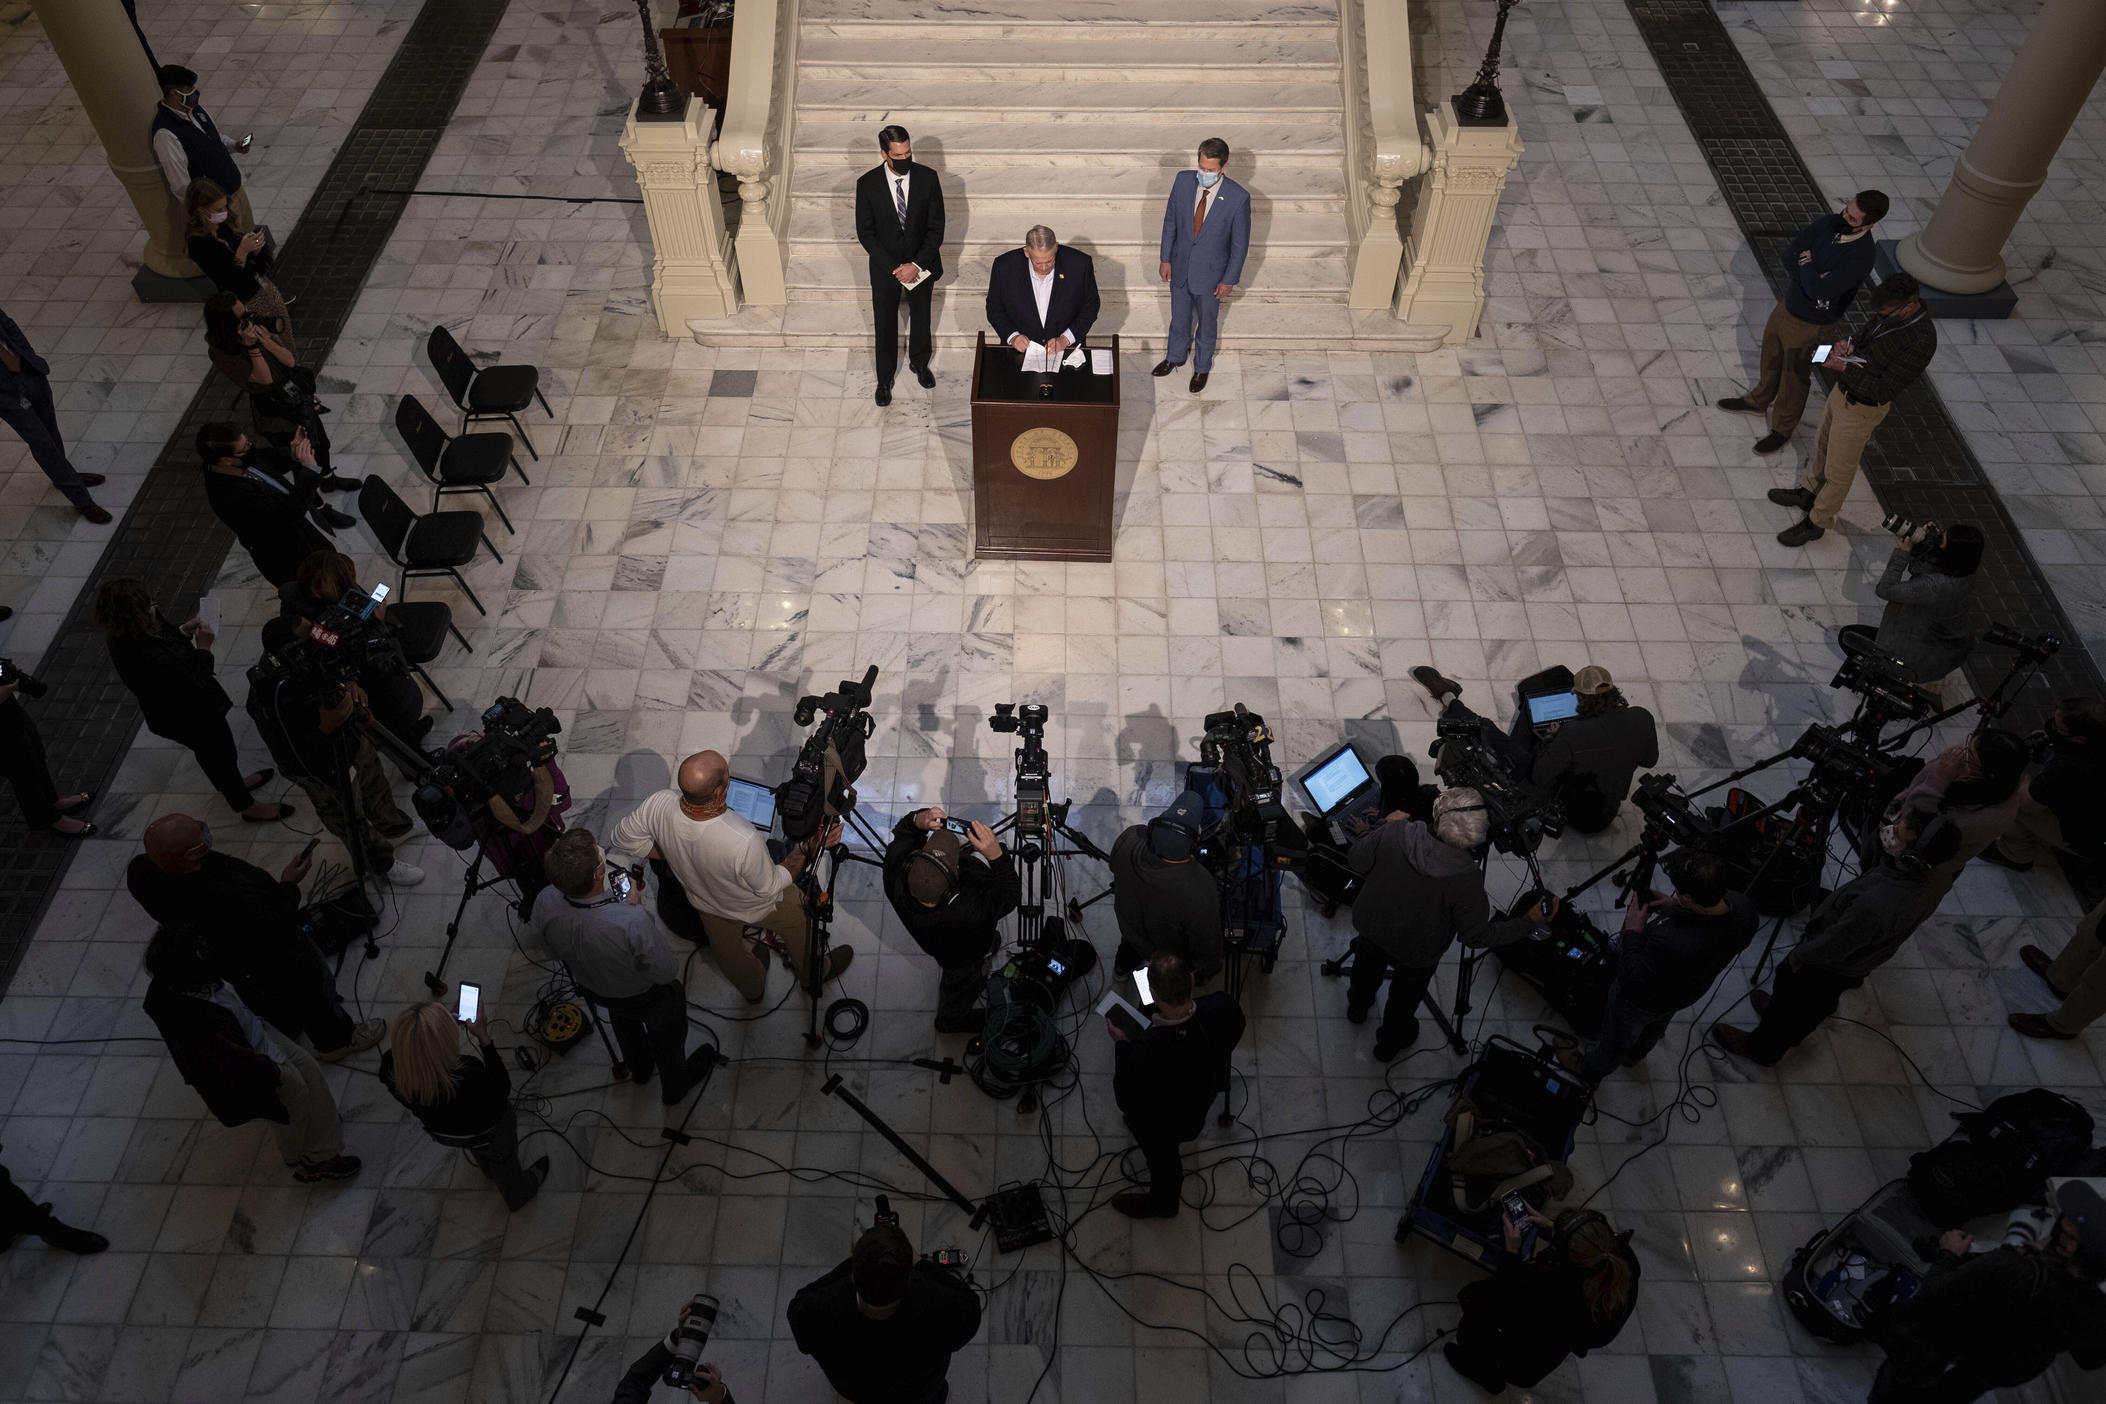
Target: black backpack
2000,1156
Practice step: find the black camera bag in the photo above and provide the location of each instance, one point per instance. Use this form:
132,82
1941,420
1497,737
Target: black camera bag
2000,1156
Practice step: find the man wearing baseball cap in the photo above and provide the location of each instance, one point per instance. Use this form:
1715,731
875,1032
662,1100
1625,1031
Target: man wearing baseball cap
950,904
1984,1321
1586,762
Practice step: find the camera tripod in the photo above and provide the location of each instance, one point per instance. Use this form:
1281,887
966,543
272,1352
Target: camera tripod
471,883
819,906
1037,847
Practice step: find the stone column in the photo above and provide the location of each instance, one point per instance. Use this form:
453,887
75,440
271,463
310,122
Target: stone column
1443,289
108,68
1961,249
692,278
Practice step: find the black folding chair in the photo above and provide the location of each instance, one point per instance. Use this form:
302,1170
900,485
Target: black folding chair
456,463
439,543
421,627
494,392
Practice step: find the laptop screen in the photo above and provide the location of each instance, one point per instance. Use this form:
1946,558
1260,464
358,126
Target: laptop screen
754,802
1335,779
1547,707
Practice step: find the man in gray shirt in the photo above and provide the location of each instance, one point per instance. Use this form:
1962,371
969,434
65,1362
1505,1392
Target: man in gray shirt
615,949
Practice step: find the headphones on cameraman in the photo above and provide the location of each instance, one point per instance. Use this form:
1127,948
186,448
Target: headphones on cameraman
1175,825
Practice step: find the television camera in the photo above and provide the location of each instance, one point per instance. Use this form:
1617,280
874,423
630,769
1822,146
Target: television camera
1468,754
1034,770
500,763
822,779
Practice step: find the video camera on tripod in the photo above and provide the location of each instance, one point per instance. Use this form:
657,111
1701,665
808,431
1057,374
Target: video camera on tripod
499,763
348,641
1236,752
1517,815
822,779
1034,770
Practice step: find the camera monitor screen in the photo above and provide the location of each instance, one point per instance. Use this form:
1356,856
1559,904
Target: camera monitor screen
754,802
1547,707
1335,780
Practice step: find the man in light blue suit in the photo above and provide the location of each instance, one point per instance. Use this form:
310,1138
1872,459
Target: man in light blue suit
1206,233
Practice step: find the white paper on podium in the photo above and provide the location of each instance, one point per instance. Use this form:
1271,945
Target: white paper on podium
1100,361
1035,359
1074,357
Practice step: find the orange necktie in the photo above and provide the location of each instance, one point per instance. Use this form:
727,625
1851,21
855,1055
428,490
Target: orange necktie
1199,213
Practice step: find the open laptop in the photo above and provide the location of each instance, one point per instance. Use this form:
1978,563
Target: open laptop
1336,781
753,802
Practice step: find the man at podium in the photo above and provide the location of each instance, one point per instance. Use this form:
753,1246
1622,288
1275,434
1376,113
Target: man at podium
1042,294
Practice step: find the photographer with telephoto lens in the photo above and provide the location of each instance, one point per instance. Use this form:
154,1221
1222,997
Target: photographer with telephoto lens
1165,899
884,1327
950,904
676,1361
1423,890
1928,585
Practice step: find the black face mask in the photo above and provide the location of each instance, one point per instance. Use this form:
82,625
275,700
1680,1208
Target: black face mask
901,167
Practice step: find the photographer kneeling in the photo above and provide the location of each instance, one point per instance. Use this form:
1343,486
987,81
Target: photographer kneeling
1422,891
1164,898
615,949
1520,1323
312,728
950,906
1929,589
1668,955
1585,764
884,1327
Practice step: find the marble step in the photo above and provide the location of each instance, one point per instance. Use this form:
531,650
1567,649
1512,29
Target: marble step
1025,92
1195,16
1001,224
935,48
1270,274
1282,182
1093,135
1140,325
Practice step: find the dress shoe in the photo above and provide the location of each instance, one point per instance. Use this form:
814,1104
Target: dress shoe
1165,367
260,778
1140,1206
6,613
364,1036
1759,1001
1740,406
2037,1026
1199,382
1357,1014
1388,1047
73,802
2040,962
1799,533
1994,853
926,376
884,392
1771,442
86,830
1735,1041
278,815
337,482
73,1240
91,479
333,519
1792,497
1441,688
93,515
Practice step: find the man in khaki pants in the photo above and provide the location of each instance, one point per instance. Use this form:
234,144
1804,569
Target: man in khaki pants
1823,269
721,864
1882,360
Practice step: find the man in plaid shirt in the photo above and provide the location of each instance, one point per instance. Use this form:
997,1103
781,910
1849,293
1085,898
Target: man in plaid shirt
1878,363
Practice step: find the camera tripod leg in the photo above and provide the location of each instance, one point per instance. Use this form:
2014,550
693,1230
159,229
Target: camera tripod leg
470,885
598,1021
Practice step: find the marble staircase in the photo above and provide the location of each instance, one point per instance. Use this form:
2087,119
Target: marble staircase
1076,117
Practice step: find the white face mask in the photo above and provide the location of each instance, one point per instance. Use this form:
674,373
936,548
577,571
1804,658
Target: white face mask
1207,179
216,217
1890,840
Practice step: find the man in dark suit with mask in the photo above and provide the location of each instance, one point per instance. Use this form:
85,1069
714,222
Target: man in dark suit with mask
1042,294
899,222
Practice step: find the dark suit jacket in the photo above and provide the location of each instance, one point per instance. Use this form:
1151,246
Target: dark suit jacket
238,1083
877,221
16,383
172,680
1073,307
272,526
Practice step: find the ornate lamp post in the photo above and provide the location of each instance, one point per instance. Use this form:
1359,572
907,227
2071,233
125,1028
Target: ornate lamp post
1480,104
661,99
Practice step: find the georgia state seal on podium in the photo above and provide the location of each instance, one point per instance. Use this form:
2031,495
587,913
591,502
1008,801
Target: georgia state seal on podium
1043,453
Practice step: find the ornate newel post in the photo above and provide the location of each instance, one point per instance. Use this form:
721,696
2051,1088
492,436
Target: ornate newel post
692,277
1475,145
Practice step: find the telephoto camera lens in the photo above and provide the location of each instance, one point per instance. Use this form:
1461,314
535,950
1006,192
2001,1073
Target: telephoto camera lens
690,1338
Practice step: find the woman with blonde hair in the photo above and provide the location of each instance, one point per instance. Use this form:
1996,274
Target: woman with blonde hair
233,256
463,1101
1520,1323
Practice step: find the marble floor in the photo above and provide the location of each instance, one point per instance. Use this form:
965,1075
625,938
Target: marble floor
711,533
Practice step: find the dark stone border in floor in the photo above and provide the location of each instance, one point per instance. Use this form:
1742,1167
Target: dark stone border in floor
168,537
1919,462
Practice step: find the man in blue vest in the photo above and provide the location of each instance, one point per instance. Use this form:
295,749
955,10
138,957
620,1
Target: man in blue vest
1206,233
190,148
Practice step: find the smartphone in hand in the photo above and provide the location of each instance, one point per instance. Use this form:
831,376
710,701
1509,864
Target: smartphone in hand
471,1002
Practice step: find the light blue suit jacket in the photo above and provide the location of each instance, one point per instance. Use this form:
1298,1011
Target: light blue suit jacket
1217,255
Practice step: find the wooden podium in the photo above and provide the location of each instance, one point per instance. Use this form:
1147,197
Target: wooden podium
1045,453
